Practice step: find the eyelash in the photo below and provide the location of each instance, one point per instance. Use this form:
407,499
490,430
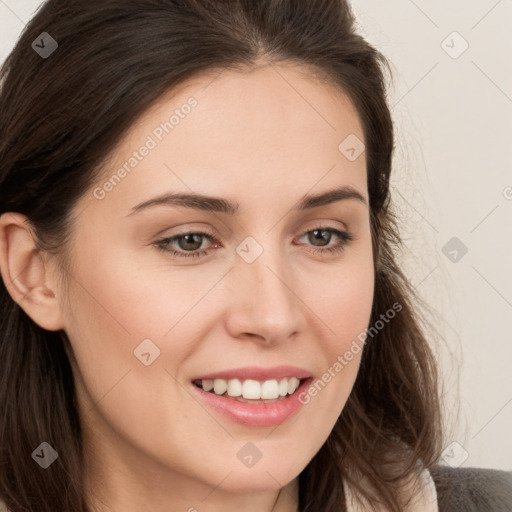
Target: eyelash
344,236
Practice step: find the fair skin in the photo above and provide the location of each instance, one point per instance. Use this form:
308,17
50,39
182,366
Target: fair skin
253,139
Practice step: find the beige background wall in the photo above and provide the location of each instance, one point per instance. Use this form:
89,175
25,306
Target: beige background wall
452,104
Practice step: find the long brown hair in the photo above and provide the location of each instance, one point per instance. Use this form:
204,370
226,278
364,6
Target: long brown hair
60,116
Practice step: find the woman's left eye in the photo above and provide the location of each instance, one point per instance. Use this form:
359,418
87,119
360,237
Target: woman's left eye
194,238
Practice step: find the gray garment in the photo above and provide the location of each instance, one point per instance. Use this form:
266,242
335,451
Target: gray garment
472,489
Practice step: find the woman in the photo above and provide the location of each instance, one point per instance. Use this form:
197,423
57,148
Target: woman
275,364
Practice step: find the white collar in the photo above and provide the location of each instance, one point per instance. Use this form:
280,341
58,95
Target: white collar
424,498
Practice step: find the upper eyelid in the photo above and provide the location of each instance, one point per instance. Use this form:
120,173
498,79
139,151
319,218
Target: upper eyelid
317,224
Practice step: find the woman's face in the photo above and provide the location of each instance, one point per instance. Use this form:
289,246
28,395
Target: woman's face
267,297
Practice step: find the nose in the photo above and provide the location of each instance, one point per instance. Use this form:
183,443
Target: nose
263,304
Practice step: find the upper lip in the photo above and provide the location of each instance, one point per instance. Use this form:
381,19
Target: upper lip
257,373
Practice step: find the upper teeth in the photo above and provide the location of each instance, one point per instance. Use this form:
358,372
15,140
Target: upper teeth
252,389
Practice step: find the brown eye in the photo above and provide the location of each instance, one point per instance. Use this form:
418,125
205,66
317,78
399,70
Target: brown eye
188,244
192,241
322,235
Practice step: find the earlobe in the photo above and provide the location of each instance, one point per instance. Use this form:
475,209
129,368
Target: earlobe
24,273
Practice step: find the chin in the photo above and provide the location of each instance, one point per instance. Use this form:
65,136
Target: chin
252,480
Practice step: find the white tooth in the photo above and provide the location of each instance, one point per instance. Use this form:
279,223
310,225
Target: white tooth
251,389
269,390
283,387
207,384
234,387
293,384
220,386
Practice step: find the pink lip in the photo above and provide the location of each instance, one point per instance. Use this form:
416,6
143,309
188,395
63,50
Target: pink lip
257,414
258,373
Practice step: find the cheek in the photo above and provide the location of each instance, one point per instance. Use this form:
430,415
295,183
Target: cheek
344,309
344,302
127,299
113,308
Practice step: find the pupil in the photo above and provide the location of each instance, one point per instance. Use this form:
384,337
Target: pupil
325,238
188,237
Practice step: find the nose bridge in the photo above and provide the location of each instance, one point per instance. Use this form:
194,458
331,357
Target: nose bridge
266,303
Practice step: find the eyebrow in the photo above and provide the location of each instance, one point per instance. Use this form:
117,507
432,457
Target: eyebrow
220,205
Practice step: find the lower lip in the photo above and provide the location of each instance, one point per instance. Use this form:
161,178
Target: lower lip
257,414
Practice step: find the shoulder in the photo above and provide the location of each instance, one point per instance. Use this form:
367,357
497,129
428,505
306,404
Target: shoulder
472,489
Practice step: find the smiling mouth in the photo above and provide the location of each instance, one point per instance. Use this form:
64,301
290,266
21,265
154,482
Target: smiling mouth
251,391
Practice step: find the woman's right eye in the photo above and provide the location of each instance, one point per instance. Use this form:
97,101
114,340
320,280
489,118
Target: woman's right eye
190,238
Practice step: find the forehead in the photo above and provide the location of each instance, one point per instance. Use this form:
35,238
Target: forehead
272,127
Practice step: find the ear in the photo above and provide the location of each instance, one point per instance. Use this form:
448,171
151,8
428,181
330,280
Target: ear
23,271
